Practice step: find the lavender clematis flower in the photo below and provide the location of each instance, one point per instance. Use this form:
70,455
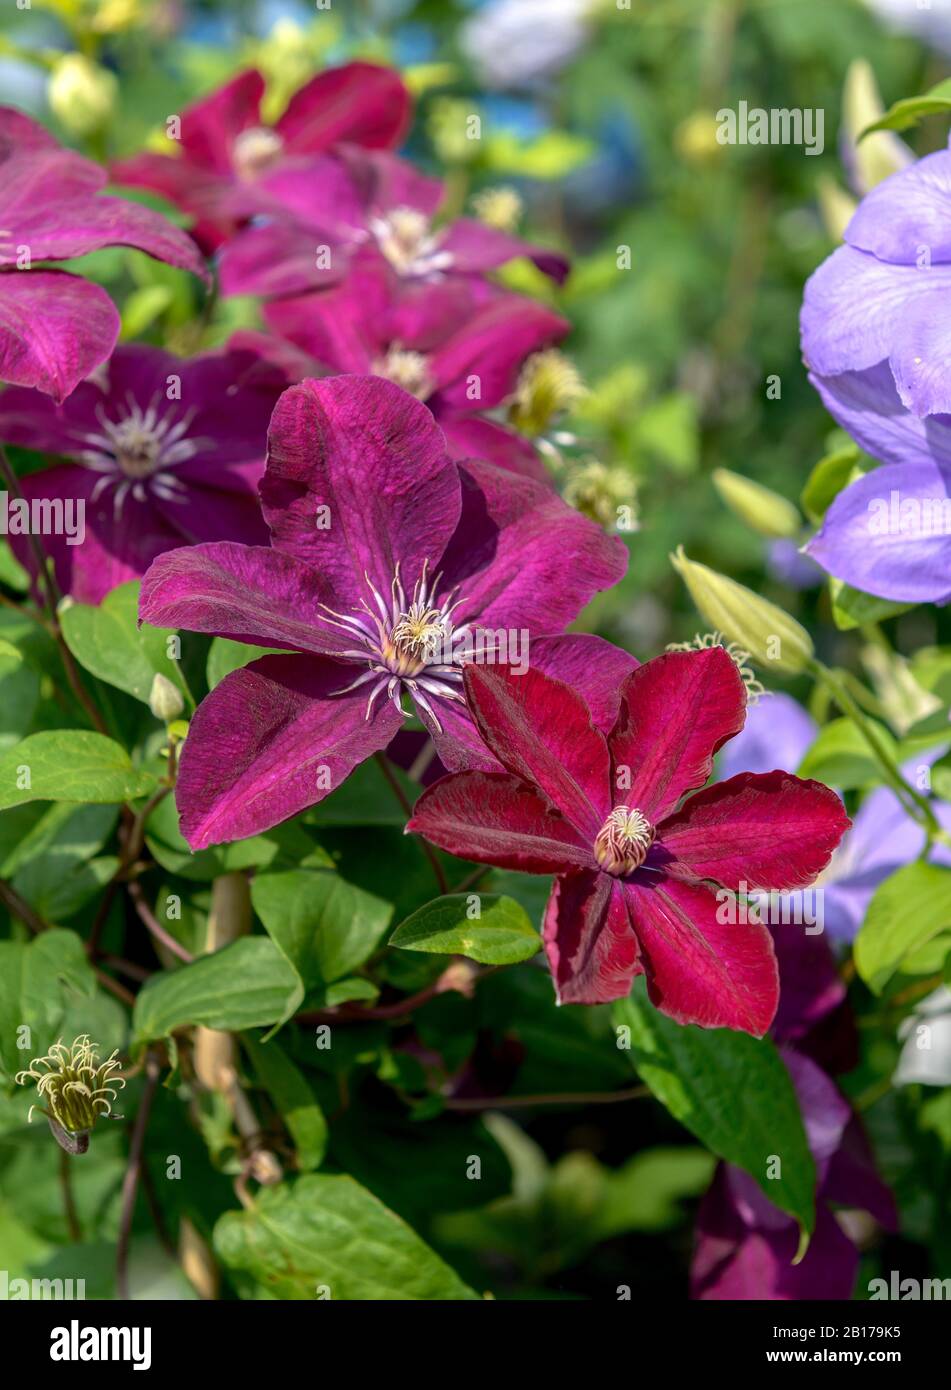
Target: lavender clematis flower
320,212
226,146
161,451
389,566
457,344
56,327
883,836
876,339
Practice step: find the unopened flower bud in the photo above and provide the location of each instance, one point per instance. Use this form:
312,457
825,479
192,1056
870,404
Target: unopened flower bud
881,153
772,637
763,510
81,94
165,699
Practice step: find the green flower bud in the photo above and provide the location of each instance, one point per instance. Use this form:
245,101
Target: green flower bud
81,94
763,510
772,637
882,153
165,699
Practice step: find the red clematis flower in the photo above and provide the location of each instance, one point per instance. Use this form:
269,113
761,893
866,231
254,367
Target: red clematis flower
598,808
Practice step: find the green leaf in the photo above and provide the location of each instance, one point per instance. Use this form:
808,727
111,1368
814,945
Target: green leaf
108,642
324,926
852,608
39,979
12,572
293,1099
827,479
225,656
907,910
841,757
904,114
501,934
69,765
244,985
328,1236
733,1092
19,695
50,866
288,844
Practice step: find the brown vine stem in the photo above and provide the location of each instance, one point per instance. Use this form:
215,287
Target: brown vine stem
153,925
555,1098
400,795
130,1181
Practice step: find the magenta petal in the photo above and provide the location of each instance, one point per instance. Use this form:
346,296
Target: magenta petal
61,230
361,103
591,947
699,970
676,711
487,351
211,126
249,593
272,739
471,437
595,669
54,329
763,829
276,259
540,730
358,480
340,327
523,558
496,819
476,248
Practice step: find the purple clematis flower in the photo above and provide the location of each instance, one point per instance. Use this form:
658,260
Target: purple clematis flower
226,146
389,566
883,836
456,344
320,212
745,1246
875,337
161,452
56,327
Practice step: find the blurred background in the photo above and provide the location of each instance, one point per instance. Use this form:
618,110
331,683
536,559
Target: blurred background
602,117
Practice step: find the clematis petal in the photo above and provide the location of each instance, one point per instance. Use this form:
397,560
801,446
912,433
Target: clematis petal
59,230
489,348
764,829
864,541
54,329
211,126
367,458
361,103
476,248
272,739
471,437
278,258
676,711
591,947
496,819
700,970
595,669
248,593
522,557
339,327
540,730
854,306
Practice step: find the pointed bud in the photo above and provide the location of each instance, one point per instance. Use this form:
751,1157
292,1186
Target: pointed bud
165,699
772,637
882,153
763,510
81,94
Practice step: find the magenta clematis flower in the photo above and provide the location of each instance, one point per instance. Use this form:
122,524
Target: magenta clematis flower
389,566
162,452
320,212
226,146
56,327
596,805
456,344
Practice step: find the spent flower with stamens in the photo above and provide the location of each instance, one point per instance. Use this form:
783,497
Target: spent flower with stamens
548,385
76,1087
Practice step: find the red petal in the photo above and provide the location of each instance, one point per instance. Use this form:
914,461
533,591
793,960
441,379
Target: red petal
676,711
700,970
541,731
766,829
592,949
496,819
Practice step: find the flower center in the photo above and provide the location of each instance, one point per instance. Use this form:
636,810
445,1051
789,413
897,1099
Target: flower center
405,642
405,238
137,449
622,843
408,369
256,150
